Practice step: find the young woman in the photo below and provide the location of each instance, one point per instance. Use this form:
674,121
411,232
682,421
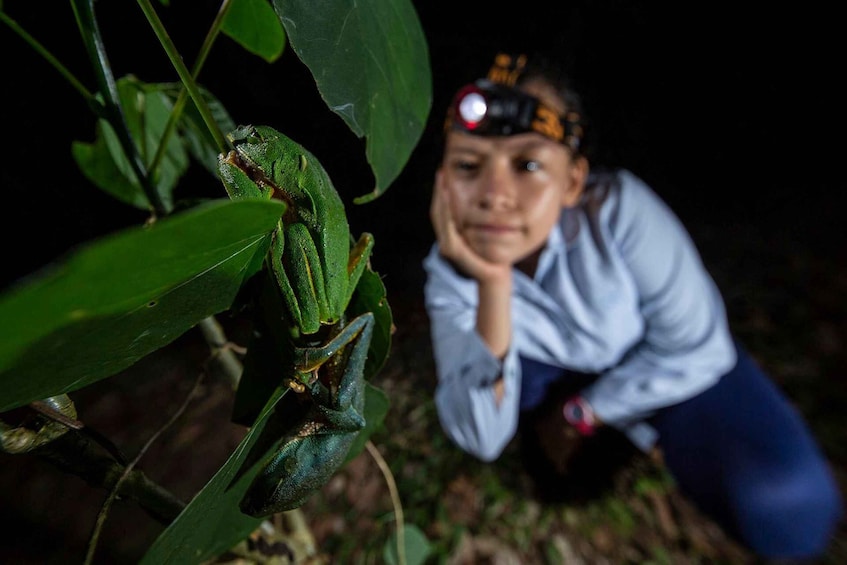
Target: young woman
545,273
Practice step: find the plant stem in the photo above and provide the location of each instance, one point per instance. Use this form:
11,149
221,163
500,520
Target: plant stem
399,520
223,351
75,453
182,98
182,70
111,110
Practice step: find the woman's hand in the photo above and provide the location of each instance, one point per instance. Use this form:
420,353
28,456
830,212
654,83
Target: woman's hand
453,245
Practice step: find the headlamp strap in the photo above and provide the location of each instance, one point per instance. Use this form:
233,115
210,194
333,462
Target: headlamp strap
506,69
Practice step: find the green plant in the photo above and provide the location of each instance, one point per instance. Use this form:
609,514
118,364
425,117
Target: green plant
124,296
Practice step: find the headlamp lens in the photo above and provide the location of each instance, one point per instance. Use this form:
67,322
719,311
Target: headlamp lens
472,108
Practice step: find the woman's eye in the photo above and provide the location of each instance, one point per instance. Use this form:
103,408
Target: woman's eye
529,166
465,166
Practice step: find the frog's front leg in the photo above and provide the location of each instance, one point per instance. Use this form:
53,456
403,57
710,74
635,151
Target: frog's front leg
326,370
333,376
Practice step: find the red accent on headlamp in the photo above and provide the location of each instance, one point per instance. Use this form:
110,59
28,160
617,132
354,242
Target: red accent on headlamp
470,107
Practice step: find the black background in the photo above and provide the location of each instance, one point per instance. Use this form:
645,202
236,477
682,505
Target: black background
733,114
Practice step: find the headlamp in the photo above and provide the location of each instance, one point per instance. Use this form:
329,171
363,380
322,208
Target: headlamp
490,109
494,106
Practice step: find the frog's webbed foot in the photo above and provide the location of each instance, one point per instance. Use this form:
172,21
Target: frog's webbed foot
297,385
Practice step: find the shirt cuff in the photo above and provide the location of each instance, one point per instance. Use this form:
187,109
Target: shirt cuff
479,366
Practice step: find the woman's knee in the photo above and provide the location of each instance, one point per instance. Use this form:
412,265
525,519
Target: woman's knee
789,515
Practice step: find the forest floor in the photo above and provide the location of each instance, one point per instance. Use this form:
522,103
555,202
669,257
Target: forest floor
786,303
788,308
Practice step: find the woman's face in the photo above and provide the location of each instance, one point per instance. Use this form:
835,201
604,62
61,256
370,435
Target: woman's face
506,193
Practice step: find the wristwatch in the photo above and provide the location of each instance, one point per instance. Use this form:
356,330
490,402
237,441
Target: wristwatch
579,414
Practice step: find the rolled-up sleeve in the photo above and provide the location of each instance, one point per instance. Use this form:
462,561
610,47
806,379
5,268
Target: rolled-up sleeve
467,409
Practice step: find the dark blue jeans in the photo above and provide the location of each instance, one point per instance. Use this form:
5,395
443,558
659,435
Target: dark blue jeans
744,455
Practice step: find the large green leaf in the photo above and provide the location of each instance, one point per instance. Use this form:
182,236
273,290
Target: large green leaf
117,300
370,61
213,523
253,25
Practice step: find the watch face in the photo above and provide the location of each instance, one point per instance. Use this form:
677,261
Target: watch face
573,412
577,415
576,412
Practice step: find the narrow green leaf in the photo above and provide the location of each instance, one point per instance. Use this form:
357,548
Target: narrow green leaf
122,297
253,25
213,523
370,61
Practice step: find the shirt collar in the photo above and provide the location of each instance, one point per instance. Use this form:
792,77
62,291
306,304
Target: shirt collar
555,245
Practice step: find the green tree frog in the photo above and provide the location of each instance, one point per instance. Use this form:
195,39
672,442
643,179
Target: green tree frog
316,267
311,257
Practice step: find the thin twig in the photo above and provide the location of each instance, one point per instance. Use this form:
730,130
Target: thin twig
395,500
104,511
224,352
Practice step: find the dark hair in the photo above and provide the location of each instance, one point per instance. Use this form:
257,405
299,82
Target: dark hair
542,68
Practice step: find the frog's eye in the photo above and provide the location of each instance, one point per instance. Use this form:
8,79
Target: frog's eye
253,136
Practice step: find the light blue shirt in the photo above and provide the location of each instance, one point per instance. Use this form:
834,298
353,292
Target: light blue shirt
620,290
